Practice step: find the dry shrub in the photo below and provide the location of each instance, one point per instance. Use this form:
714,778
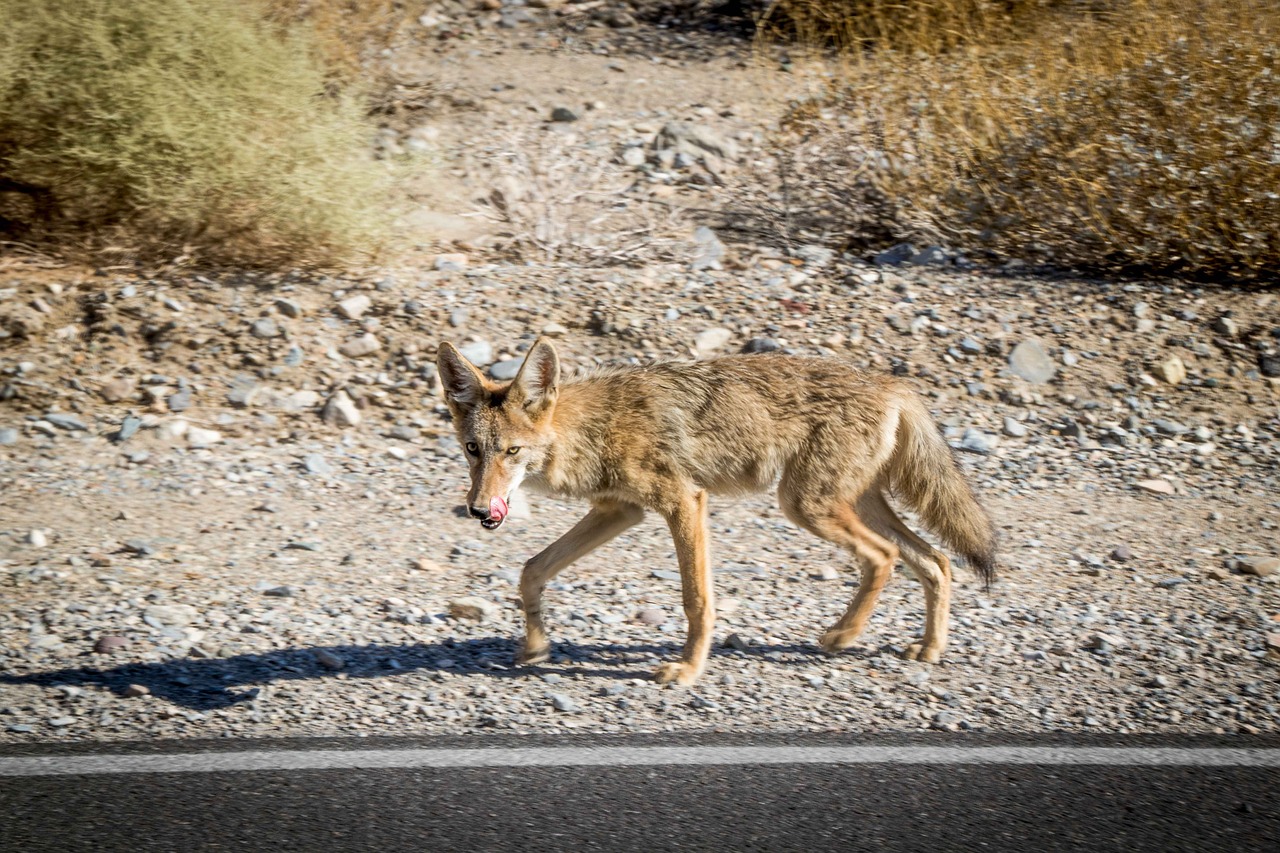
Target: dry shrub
1146,138
163,124
347,33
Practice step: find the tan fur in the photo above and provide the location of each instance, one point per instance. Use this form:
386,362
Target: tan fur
663,437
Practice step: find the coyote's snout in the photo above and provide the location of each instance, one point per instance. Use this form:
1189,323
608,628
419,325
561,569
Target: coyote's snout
663,437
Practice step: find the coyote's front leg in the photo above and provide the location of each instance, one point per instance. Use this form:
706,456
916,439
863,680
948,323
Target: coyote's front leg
604,522
687,519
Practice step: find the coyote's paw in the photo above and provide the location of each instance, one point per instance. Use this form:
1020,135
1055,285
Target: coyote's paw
917,651
681,672
531,655
834,641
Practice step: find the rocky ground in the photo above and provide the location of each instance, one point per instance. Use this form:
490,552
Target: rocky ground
230,502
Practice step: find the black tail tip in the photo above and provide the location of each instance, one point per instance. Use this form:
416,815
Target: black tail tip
984,566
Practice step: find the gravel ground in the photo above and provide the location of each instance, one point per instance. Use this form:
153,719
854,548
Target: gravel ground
231,505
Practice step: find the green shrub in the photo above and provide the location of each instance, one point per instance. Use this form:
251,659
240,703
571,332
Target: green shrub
178,125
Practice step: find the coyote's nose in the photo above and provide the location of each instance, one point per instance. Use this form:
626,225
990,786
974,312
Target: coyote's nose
480,512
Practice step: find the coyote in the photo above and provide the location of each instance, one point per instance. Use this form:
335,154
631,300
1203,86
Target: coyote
664,436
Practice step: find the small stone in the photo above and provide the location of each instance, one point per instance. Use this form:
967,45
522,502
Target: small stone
128,429
506,369
479,353
1121,554
895,255
316,464
451,262
458,317
109,643
289,308
473,608
1155,487
563,114
167,615
564,703
341,411
179,402
354,307
633,156
710,340
366,344
1172,370
133,691
65,421
651,616
1159,682
37,539
264,328
329,660
1029,361
200,437
1014,428
735,642
8,435
976,441
554,330
1261,566
279,592
1227,327
118,390
709,252
1269,364
762,345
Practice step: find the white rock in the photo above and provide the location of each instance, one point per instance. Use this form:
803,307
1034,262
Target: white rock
354,307
710,340
170,614
1172,370
341,411
200,437
473,608
361,346
37,539
174,429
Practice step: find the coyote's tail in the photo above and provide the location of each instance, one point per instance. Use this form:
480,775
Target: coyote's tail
925,475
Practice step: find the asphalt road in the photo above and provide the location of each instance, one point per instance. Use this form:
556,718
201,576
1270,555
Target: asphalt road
709,793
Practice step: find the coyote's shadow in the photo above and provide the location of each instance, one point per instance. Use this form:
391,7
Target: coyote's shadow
206,684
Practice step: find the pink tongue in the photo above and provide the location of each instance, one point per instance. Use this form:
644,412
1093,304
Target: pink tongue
497,509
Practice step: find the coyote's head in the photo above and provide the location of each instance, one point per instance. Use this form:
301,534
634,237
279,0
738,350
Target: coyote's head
505,428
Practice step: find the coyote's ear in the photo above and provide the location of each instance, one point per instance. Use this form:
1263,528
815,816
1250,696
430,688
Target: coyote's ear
536,384
463,385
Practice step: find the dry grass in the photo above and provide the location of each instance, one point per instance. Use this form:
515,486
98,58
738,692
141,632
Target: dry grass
160,127
1147,137
348,34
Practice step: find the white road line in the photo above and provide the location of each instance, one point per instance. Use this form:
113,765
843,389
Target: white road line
622,756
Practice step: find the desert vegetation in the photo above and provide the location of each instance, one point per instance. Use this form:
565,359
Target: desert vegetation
1141,134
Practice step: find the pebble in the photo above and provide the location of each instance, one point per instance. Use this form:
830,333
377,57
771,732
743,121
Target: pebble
65,421
710,340
341,411
164,615
37,539
1156,487
564,703
563,114
1014,428
709,252
473,609
289,308
329,660
200,437
134,691
8,435
1172,370
1263,567
505,370
316,464
1029,361
366,344
354,307
108,643
761,345
265,328
479,353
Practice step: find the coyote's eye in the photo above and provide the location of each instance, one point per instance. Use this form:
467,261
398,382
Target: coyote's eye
473,448
512,451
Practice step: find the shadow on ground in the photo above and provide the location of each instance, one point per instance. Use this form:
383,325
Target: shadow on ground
207,684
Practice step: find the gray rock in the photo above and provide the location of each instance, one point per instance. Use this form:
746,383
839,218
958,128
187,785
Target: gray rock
289,308
135,691
353,307
479,353
651,616
1262,567
341,411
695,140
709,251
710,340
64,421
366,344
128,429
562,702
970,347
977,441
930,256
1164,426
405,432
314,463
109,643
506,369
458,317
8,435
264,328
329,660
815,256
473,609
563,114
633,156
180,401
1014,428
895,255
169,615
1029,361
761,345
